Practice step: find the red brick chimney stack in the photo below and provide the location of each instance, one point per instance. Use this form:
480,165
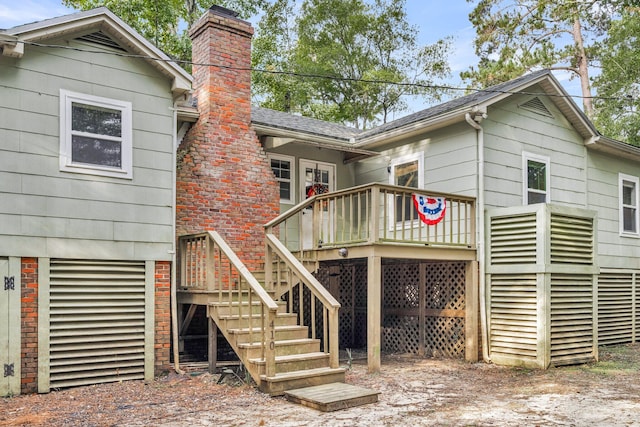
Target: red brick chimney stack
224,180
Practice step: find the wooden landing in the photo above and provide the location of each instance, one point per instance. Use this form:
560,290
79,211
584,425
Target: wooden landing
332,397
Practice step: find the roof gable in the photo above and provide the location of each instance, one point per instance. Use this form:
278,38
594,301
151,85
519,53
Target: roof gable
88,24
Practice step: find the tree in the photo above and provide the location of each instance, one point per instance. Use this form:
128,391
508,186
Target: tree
516,36
165,23
617,107
328,58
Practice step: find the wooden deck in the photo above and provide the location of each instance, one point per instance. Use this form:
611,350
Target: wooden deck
332,397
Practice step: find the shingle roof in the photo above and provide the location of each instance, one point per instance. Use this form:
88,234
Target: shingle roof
311,126
291,122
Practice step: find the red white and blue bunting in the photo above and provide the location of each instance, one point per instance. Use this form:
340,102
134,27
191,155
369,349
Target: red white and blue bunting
431,210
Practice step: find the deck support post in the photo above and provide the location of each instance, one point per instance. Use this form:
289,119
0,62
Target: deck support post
374,312
213,345
471,350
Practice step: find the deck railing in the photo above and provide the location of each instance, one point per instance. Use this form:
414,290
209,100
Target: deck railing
309,296
207,264
373,213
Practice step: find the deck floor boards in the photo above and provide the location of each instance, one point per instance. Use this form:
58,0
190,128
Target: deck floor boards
332,397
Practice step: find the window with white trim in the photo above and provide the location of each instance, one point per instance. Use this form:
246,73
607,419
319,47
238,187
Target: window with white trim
536,179
284,170
629,208
95,135
406,171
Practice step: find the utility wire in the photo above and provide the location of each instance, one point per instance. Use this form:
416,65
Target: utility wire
318,76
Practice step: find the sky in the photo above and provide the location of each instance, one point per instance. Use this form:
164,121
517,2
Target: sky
435,19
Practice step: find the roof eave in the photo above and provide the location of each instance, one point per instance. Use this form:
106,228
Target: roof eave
103,19
613,147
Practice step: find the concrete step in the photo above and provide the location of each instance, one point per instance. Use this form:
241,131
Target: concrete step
282,382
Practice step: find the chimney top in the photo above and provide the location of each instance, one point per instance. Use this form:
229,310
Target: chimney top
223,11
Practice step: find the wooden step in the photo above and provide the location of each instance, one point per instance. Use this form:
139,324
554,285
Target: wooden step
282,382
332,397
235,322
296,362
224,308
245,335
282,348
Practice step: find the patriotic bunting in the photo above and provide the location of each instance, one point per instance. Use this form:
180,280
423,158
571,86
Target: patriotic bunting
430,209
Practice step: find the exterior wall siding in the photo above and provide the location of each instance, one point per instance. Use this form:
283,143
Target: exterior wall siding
49,210
615,251
511,130
450,163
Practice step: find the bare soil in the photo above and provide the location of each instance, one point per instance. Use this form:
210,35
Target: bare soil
414,392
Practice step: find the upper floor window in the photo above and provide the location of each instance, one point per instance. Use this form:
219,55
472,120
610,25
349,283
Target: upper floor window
283,169
95,135
629,208
535,179
406,171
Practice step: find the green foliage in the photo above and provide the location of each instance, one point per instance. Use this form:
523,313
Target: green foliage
165,23
516,36
617,108
348,46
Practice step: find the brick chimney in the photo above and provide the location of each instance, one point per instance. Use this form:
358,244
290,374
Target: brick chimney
224,180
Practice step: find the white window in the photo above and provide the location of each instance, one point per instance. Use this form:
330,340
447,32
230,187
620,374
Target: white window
406,171
629,209
95,135
283,169
536,179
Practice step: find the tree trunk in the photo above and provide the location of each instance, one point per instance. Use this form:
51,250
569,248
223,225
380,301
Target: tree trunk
582,67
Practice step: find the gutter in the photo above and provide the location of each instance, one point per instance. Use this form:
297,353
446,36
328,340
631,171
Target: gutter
474,122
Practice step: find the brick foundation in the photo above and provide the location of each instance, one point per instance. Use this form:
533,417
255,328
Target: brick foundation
29,325
162,345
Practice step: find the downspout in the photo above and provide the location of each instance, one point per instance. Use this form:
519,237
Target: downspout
475,123
174,296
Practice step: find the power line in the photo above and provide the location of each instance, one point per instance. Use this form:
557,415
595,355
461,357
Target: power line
320,76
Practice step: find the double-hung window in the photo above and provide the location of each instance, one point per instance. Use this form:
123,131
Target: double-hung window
283,169
535,179
406,171
629,208
95,135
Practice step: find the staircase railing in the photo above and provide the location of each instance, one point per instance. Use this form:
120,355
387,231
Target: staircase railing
208,264
281,265
373,213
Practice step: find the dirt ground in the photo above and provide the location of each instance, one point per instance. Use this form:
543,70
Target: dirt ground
414,392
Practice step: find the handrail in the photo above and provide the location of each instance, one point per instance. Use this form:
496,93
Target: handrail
298,269
371,214
305,280
207,263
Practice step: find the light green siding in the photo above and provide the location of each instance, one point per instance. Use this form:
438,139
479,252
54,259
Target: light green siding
49,213
616,251
511,130
449,160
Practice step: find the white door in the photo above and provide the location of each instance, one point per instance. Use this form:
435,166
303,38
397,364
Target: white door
10,341
315,178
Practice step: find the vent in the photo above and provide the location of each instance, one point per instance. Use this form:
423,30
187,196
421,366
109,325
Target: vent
615,308
101,39
571,319
513,327
535,105
97,320
513,239
571,240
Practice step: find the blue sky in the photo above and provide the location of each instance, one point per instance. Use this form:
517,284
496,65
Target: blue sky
434,19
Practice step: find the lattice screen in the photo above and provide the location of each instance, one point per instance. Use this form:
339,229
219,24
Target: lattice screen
433,326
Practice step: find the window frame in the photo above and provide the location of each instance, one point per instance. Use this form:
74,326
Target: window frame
622,178
67,99
526,157
291,180
393,163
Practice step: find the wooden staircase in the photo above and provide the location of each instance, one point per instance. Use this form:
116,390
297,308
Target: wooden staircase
276,348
